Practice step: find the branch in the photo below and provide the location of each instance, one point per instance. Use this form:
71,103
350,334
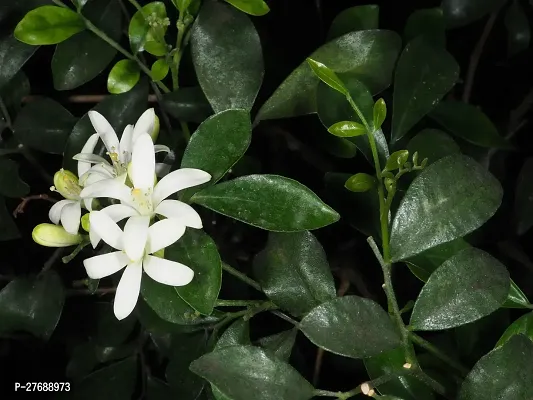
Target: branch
25,200
241,276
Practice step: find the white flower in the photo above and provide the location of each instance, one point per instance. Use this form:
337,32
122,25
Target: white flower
135,245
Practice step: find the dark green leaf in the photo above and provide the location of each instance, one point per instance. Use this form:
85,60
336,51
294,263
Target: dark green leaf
123,77
252,7
8,228
13,55
347,129
82,362
187,104
433,145
504,374
159,70
158,390
522,326
10,183
524,198
280,344
425,73
32,304
198,251
269,202
139,29
327,76
379,113
247,372
109,330
518,29
119,110
48,25
351,326
429,23
358,18
458,13
465,288
14,91
294,273
157,326
516,298
238,333
44,125
449,199
227,57
366,55
84,56
360,182
469,123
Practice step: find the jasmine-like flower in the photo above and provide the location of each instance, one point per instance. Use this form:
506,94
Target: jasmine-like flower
136,244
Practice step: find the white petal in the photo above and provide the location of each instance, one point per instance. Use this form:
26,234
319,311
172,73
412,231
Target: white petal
182,212
88,204
178,180
99,267
117,212
142,168
107,229
94,238
126,144
162,169
128,290
145,124
88,147
90,158
160,148
163,233
135,236
104,130
70,217
55,212
167,272
108,188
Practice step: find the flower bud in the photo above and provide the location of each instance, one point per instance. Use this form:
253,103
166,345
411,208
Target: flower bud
51,235
66,183
155,132
85,224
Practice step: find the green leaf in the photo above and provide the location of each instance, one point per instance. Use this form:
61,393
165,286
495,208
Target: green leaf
238,333
157,326
469,123
465,288
429,23
14,91
516,298
524,198
110,331
458,13
369,56
425,73
522,326
8,228
159,69
13,55
247,372
280,344
157,390
389,363
360,182
10,183
504,374
397,160
449,199
139,30
119,110
294,273
187,104
252,7
379,113
227,57
72,67
44,125
347,129
358,18
123,77
269,202
518,29
48,25
327,76
156,48
432,144
198,251
32,304
351,326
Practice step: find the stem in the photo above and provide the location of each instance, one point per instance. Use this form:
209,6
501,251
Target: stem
237,303
76,251
87,292
286,318
5,113
52,260
241,276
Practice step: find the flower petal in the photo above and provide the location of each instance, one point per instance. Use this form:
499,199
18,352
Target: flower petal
126,144
160,148
87,202
145,124
128,290
135,236
88,147
90,158
107,229
182,212
99,267
167,272
162,234
178,180
105,131
142,168
70,217
108,188
117,212
55,212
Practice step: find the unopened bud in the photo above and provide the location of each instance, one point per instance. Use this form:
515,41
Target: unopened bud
85,224
66,183
51,235
155,132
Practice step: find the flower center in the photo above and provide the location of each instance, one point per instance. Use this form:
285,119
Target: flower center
142,200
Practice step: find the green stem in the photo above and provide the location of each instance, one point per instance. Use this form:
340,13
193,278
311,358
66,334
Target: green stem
237,303
247,314
286,318
76,251
239,275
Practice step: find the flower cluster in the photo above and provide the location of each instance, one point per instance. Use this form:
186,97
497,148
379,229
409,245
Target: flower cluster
127,186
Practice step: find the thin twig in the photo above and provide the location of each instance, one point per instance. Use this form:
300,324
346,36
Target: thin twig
82,98
25,200
286,318
52,260
241,276
88,292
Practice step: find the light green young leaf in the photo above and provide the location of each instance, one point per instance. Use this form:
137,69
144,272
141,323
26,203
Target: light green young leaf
397,160
347,129
360,182
379,113
252,7
139,30
358,18
159,69
522,326
123,77
327,76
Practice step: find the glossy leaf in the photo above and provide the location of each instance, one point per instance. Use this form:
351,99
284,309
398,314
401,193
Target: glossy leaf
360,182
139,29
48,25
522,326
294,273
458,13
238,333
10,183
13,55
123,77
156,48
247,372
397,160
505,373
159,70
198,251
469,123
14,91
358,18
516,298
252,7
524,198
8,228
429,23
432,144
347,129
365,55
424,74
379,113
227,57
269,202
32,304
72,66
327,76
280,344
44,125
187,104
351,326
119,110
159,327
518,29
449,199
465,288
